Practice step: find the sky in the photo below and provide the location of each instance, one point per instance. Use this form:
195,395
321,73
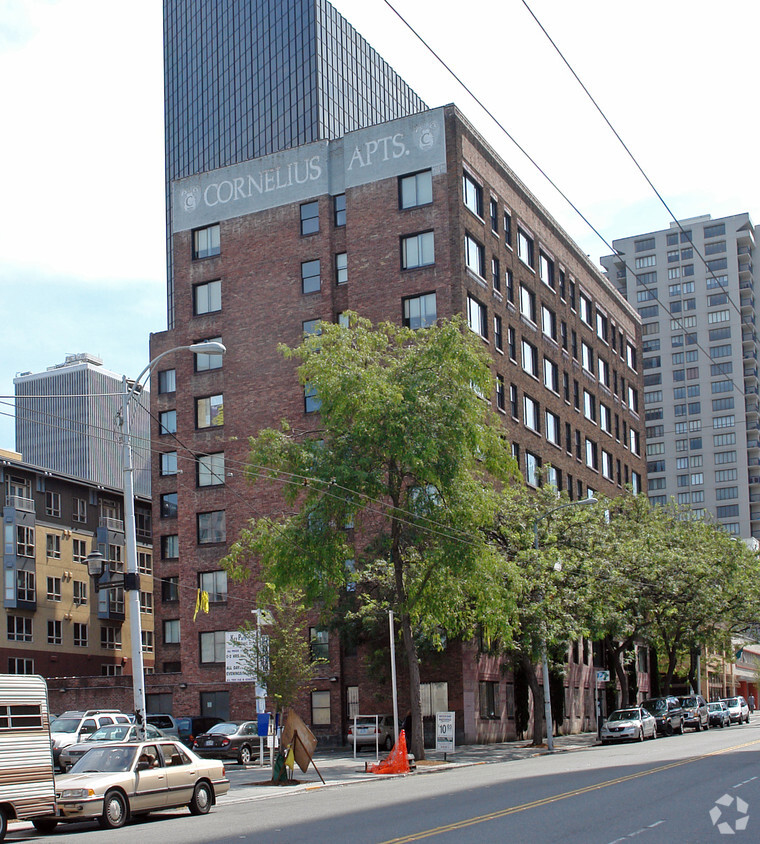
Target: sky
82,261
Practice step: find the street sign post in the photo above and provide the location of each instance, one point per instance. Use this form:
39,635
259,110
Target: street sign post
444,732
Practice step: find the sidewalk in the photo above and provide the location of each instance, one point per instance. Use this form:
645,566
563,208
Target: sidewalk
338,767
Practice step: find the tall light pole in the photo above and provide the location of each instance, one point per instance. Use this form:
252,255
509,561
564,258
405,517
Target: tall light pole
131,577
544,660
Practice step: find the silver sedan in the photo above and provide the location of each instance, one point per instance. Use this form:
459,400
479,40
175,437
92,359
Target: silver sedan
633,724
111,783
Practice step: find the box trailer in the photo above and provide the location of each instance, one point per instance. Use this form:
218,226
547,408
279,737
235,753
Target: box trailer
27,787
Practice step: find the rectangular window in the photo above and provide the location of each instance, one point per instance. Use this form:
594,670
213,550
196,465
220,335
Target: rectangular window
715,230
548,323
524,247
552,427
53,546
498,339
472,194
26,589
587,357
591,454
513,401
527,304
512,343
215,583
79,513
420,311
204,361
341,268
170,589
494,213
546,269
110,638
206,242
532,469
209,411
496,274
417,250
212,647
585,309
488,693
311,281
53,504
531,414
415,189
474,256
320,708
169,463
170,546
212,527
646,261
507,228
644,245
476,317
211,469
589,406
339,209
510,285
207,297
54,589
167,422
171,631
311,401
501,401
80,593
530,358
310,217
80,635
551,375
146,603
147,641
319,642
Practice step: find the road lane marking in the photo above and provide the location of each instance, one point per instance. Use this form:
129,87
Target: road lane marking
545,801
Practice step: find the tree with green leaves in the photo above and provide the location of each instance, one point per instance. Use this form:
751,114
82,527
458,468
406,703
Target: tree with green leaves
276,649
392,495
552,582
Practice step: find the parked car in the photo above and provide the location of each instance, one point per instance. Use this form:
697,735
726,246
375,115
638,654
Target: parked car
166,723
719,714
229,740
667,712
111,783
365,731
695,712
113,734
634,724
72,726
190,726
738,709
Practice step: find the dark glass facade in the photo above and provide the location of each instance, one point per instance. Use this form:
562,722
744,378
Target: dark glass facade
246,78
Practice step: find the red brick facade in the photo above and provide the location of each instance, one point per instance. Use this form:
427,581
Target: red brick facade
262,304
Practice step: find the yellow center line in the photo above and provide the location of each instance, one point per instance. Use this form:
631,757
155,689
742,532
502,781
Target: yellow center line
503,813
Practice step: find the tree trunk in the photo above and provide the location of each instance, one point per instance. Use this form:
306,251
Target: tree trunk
615,654
693,660
417,743
654,673
672,659
538,700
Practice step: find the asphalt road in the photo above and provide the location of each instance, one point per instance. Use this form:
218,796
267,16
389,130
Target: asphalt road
697,788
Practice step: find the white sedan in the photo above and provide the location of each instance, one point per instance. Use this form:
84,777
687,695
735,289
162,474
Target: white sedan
633,724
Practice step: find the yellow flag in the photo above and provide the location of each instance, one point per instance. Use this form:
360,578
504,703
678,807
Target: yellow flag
201,603
290,759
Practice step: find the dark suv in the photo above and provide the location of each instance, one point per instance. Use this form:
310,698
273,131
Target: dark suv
190,726
668,714
695,712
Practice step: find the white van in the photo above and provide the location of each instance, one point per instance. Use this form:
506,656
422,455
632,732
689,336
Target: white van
27,787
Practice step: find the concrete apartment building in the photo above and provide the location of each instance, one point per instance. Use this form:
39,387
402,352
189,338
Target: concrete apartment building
66,422
54,622
693,286
413,219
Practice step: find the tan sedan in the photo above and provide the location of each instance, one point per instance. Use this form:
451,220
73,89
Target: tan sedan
111,783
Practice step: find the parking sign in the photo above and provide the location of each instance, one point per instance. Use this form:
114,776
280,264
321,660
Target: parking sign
444,732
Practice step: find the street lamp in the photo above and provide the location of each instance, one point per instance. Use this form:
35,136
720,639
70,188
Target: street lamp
131,580
544,660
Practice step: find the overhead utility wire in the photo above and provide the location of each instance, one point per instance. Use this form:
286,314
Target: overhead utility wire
628,151
545,175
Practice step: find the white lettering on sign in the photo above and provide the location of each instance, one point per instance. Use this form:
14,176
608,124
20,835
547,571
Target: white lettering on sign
265,181
391,146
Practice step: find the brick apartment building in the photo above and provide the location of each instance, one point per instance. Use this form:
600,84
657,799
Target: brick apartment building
55,623
412,220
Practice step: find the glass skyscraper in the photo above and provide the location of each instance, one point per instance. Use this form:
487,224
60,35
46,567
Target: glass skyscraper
246,78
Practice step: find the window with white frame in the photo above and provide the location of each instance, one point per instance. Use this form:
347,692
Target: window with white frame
204,361
548,322
212,647
54,632
527,303
80,635
551,375
552,427
54,588
53,504
591,454
603,371
209,411
171,631
585,309
341,268
19,628
524,247
587,357
476,317
211,469
206,242
530,358
546,269
605,418
589,406
474,256
531,417
472,194
607,464
169,463
311,279
532,468
53,546
215,583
